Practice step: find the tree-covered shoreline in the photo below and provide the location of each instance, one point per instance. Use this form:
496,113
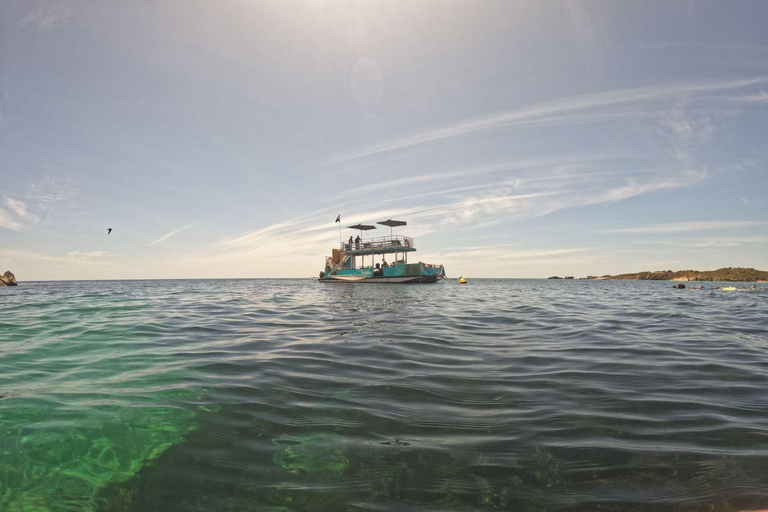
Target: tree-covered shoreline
723,274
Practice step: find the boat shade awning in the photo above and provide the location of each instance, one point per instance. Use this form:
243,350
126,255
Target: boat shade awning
362,227
392,223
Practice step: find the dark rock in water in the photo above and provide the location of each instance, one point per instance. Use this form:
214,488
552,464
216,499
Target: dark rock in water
8,279
399,441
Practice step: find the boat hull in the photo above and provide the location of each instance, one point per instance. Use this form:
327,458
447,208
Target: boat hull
389,280
399,273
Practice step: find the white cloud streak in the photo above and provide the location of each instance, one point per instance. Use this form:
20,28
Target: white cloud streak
77,258
14,214
496,202
503,252
545,111
525,164
172,234
683,227
8,221
88,256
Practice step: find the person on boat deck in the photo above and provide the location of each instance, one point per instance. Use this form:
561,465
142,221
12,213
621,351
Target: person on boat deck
357,242
384,263
349,244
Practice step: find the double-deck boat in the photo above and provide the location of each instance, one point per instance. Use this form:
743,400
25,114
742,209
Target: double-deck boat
378,260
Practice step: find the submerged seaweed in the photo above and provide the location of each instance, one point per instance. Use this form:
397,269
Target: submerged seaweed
316,456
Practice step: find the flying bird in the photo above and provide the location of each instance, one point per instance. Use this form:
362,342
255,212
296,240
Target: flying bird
109,230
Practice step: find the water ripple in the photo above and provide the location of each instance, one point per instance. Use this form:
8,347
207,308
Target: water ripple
293,395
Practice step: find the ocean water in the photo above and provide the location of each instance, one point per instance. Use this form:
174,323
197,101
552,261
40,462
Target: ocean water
291,395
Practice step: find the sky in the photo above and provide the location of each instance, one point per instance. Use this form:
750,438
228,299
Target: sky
516,138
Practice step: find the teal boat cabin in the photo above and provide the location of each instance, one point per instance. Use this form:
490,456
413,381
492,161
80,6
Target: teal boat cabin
381,259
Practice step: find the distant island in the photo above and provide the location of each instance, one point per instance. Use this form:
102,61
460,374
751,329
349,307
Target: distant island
721,274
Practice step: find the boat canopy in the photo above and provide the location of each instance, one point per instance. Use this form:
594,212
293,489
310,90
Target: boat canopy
362,227
392,223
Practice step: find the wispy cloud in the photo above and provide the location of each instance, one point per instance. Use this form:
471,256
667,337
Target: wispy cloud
172,234
476,171
97,258
251,238
760,98
536,198
673,126
504,252
728,241
633,187
88,256
8,221
18,208
682,227
583,22
129,160
46,15
545,111
13,214
709,241
528,196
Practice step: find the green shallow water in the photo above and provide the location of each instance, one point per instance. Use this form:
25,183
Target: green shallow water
88,396
290,395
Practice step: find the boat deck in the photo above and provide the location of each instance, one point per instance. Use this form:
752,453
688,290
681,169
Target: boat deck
379,245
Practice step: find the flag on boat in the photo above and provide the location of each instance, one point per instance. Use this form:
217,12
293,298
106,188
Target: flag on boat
338,218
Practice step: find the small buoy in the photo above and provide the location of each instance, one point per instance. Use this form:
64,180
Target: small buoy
462,280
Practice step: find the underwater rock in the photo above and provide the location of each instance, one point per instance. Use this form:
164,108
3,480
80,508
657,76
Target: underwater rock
399,441
8,279
318,456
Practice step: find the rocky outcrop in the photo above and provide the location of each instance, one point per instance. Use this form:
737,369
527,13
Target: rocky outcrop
8,279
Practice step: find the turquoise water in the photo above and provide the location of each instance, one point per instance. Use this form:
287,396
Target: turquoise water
290,395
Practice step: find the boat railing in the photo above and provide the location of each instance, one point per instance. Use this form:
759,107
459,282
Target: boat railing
332,267
381,242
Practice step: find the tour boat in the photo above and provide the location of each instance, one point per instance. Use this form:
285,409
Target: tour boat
378,260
